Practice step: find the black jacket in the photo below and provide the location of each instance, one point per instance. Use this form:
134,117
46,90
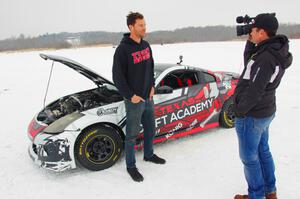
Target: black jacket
265,65
133,68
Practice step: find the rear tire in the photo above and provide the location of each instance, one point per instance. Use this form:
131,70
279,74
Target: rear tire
227,117
98,147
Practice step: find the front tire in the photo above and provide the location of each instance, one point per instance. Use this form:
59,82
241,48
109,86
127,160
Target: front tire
227,116
98,148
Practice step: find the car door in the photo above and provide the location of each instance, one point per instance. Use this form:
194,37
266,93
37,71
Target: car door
171,114
205,97
194,102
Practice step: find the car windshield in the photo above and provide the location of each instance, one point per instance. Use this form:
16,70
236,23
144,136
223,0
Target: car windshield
157,72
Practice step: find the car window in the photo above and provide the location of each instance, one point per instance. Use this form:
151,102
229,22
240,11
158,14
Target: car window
180,79
206,77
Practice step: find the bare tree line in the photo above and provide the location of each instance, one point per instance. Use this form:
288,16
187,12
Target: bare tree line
189,34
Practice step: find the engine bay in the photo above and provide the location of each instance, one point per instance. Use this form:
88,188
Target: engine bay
81,101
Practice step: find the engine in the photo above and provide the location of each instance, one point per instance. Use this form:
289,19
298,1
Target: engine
78,102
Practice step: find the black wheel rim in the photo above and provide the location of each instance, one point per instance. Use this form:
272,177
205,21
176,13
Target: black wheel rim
100,149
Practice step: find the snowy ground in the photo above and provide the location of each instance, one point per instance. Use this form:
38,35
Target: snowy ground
200,166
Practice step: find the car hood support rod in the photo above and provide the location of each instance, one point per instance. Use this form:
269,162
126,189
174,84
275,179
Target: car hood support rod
48,84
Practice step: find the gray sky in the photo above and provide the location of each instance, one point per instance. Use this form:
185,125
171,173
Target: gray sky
35,17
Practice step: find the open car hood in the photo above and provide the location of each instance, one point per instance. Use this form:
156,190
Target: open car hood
96,78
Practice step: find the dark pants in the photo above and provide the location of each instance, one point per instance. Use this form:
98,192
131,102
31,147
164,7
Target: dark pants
137,114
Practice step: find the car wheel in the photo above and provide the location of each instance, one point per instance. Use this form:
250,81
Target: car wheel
227,117
98,148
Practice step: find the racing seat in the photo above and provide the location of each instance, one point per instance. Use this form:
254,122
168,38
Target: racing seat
189,82
179,82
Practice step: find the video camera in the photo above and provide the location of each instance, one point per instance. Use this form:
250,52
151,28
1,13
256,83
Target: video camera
248,24
244,29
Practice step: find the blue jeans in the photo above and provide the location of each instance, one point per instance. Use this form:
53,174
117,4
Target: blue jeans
253,136
137,114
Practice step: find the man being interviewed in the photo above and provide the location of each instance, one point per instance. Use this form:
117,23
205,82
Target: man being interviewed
133,75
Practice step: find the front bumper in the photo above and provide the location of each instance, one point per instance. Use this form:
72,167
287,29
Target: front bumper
52,152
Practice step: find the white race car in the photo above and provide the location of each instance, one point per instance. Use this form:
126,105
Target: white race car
88,127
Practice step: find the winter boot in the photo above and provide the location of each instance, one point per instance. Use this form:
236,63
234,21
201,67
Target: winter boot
135,174
155,159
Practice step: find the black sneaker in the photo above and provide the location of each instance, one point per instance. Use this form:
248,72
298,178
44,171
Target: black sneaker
155,159
135,174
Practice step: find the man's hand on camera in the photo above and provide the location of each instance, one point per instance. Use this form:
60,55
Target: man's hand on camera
250,38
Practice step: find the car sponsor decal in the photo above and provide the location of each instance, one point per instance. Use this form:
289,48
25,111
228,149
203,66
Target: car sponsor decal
180,134
180,110
108,111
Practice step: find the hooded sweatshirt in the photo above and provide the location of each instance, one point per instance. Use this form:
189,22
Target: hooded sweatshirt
133,68
265,65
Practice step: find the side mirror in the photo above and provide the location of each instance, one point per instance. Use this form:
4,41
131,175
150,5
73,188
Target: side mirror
164,90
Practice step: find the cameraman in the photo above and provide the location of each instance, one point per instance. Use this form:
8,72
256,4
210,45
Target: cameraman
266,57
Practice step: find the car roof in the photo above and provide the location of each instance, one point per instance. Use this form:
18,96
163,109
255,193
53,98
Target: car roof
164,66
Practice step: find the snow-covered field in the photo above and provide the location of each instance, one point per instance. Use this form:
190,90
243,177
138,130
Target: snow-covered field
205,165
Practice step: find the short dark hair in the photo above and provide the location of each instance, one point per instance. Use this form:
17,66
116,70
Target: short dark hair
132,17
269,32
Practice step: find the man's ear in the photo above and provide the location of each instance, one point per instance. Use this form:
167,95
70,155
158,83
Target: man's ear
130,27
262,32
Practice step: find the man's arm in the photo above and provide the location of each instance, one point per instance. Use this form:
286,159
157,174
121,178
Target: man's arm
152,66
249,51
119,74
153,78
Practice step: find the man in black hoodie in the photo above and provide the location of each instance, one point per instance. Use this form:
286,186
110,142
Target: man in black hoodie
133,75
266,57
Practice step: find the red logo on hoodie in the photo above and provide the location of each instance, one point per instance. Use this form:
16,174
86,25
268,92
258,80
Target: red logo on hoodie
140,56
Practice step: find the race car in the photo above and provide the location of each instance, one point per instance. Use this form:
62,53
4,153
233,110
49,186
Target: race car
87,128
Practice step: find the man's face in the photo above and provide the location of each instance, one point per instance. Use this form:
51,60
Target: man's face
139,28
257,35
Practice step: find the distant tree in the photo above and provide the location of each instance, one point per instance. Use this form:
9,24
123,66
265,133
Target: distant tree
188,34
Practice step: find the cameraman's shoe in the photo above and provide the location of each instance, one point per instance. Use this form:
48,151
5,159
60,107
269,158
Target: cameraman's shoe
135,174
241,196
268,196
155,159
271,196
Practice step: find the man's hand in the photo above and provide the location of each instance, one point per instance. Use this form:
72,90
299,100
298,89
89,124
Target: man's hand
151,93
136,99
250,39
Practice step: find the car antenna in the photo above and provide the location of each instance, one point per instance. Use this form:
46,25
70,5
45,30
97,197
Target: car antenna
180,59
48,84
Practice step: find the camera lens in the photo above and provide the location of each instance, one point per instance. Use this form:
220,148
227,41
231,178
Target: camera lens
240,19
